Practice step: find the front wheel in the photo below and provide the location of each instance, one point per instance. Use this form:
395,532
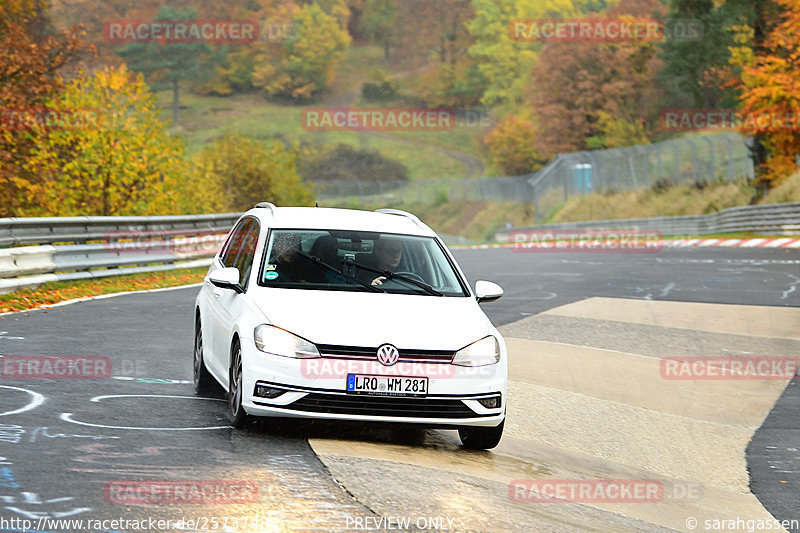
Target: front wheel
200,376
481,438
236,413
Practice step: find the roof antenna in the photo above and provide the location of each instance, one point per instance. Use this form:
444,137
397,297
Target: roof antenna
316,204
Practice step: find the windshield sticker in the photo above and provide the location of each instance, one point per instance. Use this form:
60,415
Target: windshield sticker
271,275
272,267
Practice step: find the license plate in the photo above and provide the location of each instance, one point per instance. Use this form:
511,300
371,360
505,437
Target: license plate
387,385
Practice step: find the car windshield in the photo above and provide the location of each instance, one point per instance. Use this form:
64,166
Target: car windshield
359,261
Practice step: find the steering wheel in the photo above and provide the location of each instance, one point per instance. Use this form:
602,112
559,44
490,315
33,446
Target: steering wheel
411,275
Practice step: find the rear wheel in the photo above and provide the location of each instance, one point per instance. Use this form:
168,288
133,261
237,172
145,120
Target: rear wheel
236,413
481,438
201,377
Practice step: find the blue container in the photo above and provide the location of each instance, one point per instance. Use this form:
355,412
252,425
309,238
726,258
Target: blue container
581,178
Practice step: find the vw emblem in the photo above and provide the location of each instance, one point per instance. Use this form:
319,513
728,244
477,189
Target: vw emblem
388,355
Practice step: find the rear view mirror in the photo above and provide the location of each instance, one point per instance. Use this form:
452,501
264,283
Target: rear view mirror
226,278
486,291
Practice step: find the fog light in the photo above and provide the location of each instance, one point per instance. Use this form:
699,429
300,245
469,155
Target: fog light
492,402
262,391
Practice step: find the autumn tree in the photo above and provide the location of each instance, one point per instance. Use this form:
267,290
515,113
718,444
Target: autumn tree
94,15
165,65
245,171
107,155
438,37
304,64
379,22
770,93
338,9
606,92
506,63
696,67
34,56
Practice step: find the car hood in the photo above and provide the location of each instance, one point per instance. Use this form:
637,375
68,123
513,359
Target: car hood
371,319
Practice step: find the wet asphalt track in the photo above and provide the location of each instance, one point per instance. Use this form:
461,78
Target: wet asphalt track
57,458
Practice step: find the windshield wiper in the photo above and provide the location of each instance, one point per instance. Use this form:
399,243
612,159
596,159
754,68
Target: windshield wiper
388,274
325,266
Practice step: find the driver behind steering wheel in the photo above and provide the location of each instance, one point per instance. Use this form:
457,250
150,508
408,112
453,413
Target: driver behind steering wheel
388,253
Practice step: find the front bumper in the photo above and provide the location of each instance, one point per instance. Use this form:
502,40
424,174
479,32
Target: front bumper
315,388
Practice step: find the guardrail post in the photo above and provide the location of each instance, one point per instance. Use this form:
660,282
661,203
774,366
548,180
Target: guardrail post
677,156
730,157
657,146
694,158
631,169
712,166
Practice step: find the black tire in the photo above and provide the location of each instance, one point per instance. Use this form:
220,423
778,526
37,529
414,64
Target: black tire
236,413
481,438
203,381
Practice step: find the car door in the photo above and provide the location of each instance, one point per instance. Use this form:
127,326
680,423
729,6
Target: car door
214,333
228,305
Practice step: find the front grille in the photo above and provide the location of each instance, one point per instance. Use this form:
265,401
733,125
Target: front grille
409,356
346,404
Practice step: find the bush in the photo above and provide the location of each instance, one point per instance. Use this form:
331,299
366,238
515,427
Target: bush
345,163
245,171
662,185
511,146
378,92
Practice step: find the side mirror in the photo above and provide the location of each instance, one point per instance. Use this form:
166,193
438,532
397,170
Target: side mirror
226,278
486,291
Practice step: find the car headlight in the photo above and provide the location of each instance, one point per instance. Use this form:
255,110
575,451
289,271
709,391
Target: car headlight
480,353
277,341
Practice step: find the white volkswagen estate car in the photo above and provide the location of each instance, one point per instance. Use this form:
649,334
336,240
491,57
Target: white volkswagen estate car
344,314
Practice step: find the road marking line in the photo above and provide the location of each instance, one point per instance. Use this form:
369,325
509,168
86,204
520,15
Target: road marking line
36,400
667,243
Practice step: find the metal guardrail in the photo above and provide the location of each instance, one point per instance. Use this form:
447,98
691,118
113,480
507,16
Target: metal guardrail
39,250
50,230
776,219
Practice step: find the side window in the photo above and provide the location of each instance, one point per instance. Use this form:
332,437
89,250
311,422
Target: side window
232,244
244,259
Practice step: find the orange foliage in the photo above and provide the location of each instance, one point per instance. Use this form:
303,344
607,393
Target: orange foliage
511,148
770,99
51,293
33,56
